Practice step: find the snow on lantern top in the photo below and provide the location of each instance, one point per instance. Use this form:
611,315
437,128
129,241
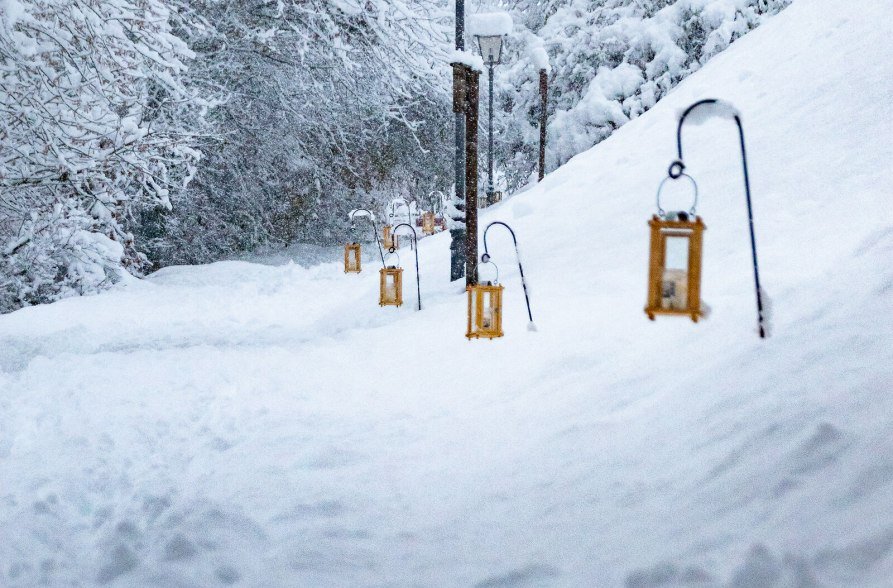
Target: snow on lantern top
490,24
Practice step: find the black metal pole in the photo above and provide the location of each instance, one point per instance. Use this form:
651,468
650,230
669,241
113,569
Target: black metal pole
415,238
486,257
490,139
676,170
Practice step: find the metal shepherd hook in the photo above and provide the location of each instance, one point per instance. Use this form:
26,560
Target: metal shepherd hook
486,258
678,167
415,239
395,204
374,229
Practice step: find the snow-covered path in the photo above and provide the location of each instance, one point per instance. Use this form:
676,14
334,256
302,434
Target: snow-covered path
272,426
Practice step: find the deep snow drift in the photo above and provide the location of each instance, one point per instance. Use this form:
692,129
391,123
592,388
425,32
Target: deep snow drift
272,426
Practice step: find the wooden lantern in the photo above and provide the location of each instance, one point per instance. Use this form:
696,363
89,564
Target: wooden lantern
674,271
391,287
428,223
388,239
484,311
352,258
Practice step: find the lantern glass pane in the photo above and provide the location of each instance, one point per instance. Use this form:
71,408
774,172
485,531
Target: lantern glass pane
487,315
676,256
491,49
674,281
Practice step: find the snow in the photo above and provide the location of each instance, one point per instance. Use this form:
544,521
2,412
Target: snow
266,425
709,110
490,24
472,60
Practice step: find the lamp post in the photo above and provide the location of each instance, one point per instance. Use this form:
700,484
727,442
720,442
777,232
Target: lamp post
457,232
491,50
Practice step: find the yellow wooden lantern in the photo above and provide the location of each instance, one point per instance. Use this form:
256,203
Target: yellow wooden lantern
484,311
352,258
674,270
388,239
428,223
391,286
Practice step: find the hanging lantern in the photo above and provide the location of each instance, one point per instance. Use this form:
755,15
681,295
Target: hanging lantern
388,239
485,298
352,258
674,269
391,283
428,223
485,306
484,311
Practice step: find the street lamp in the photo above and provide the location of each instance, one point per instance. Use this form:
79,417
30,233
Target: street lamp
491,50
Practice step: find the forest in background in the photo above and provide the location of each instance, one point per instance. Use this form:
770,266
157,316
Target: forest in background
142,133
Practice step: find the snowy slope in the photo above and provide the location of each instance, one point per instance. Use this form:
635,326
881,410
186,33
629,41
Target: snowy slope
271,426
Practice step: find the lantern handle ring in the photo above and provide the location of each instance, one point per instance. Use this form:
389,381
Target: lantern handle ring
374,228
395,254
486,258
415,243
694,205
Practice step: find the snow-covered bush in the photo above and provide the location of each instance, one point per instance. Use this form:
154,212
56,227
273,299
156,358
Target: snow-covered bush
92,116
611,60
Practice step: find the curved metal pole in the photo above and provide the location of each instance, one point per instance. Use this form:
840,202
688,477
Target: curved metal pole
415,238
404,203
486,257
374,229
436,197
676,170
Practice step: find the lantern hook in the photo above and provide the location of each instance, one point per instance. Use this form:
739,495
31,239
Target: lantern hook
395,204
677,167
485,258
694,184
415,240
374,229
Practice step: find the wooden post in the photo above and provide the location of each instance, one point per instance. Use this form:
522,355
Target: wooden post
472,93
544,103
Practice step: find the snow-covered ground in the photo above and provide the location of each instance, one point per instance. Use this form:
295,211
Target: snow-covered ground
261,425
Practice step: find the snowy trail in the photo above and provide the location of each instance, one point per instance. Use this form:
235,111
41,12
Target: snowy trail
271,426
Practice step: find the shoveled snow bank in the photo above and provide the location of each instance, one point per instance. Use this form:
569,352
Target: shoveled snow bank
272,426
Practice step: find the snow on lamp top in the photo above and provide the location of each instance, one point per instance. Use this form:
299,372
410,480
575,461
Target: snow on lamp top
490,24
538,55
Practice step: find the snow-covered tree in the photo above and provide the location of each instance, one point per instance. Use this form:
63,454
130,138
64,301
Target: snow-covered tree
326,104
611,60
95,125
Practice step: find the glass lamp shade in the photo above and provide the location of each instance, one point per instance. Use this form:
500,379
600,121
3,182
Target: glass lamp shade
491,49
